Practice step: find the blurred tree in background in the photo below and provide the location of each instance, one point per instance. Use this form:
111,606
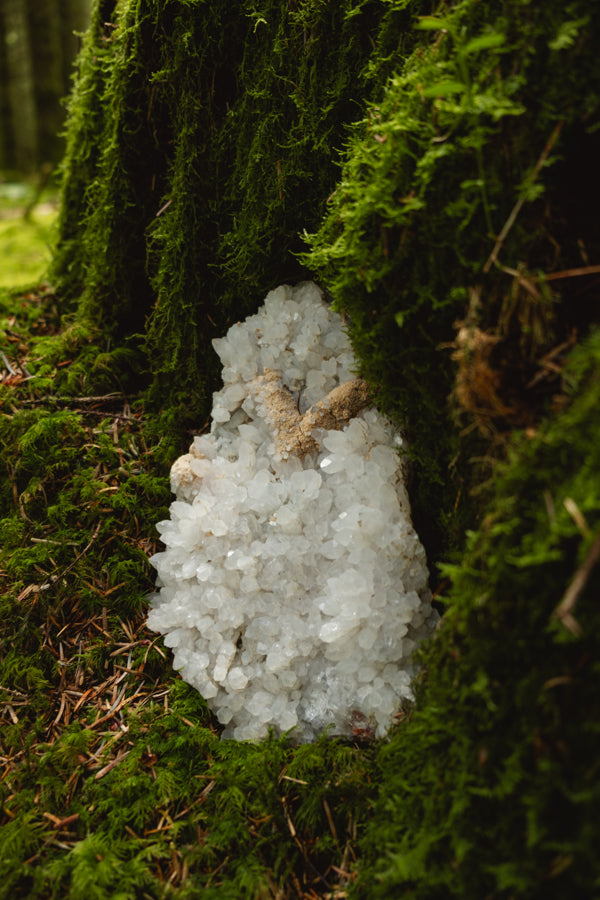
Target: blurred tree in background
38,43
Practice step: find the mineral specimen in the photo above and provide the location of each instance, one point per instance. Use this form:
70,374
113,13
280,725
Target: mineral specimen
293,587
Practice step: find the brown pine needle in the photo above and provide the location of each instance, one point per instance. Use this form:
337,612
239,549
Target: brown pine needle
565,608
520,202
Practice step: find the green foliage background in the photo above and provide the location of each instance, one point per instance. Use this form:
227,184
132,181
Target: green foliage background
433,165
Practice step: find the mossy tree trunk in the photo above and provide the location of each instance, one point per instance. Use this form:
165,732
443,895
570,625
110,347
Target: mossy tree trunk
203,140
205,145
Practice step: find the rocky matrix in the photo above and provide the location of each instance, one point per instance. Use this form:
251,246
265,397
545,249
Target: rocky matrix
293,587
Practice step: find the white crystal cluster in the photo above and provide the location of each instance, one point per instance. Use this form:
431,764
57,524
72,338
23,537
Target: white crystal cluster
292,590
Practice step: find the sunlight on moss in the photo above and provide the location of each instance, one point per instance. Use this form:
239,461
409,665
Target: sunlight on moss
25,248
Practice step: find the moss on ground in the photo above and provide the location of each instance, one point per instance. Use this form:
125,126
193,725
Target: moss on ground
434,166
114,780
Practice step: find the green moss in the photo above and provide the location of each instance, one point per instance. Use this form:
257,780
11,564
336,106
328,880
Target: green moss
491,788
204,142
449,144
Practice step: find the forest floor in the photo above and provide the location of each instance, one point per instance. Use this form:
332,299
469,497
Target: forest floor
113,777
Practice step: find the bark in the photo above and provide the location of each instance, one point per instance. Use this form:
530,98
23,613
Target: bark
73,22
20,85
39,42
5,117
49,82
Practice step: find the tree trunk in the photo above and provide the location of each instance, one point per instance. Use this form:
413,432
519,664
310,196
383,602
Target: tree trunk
6,154
39,40
74,20
20,85
49,83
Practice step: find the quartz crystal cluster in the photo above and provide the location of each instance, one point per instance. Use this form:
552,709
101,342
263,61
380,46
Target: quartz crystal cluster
293,587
